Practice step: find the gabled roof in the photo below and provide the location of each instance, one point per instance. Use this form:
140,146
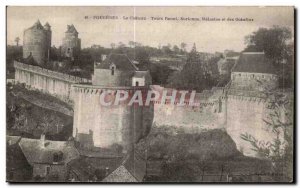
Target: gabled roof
35,153
71,29
136,165
121,174
15,158
121,61
254,62
140,74
47,25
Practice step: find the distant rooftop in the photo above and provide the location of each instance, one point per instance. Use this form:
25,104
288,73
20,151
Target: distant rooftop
121,61
254,62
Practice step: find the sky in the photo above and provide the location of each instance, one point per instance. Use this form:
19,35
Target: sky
209,36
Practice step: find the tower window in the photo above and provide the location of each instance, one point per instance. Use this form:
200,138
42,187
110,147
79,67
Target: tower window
112,71
48,170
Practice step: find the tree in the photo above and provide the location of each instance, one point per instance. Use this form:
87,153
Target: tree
280,122
278,45
113,45
193,56
191,77
121,45
143,57
275,42
183,46
175,49
17,40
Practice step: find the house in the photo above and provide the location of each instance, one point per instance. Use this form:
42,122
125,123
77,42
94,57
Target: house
119,70
253,71
48,159
17,167
128,168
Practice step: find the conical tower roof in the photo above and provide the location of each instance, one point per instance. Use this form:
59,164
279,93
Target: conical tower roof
37,25
71,29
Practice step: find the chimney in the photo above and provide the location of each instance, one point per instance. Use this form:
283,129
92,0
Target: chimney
43,139
103,57
106,171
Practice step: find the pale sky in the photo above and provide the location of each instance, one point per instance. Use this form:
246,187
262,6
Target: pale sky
209,36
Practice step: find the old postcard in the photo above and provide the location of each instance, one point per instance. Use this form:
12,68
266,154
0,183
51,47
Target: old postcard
150,94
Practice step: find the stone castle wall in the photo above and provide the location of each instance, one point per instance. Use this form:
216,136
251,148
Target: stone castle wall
101,127
237,111
120,78
55,83
210,114
253,81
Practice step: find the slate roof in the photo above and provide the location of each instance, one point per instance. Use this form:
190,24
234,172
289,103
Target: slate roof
15,158
35,153
136,165
84,167
254,62
71,29
133,169
121,174
130,168
140,74
121,61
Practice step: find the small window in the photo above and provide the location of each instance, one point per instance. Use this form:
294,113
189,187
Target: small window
136,83
112,71
47,170
55,157
239,74
252,75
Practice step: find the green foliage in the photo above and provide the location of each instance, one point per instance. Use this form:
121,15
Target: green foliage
28,120
191,77
278,45
174,144
273,41
160,73
280,122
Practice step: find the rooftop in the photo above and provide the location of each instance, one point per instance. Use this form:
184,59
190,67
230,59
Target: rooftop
36,152
254,62
37,25
121,61
71,29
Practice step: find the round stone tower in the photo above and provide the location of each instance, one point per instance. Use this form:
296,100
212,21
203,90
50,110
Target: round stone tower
106,127
71,44
37,43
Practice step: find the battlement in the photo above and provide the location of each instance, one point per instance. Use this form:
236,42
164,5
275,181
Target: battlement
50,73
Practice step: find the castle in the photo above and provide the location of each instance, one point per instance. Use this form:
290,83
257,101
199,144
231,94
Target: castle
239,107
71,43
95,125
37,43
